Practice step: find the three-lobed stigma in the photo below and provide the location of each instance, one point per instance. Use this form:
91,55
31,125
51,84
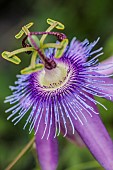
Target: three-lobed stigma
32,44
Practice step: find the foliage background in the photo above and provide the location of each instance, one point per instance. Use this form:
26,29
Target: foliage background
83,19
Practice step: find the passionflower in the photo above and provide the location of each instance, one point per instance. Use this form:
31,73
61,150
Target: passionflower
58,90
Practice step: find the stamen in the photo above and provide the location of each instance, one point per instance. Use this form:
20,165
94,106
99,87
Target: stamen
21,50
48,63
14,59
60,47
54,24
59,24
25,30
36,46
52,45
60,52
29,69
20,34
11,56
33,59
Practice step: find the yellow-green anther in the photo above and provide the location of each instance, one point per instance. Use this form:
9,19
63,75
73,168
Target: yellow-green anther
60,52
24,30
58,26
29,25
29,70
36,40
14,59
19,35
11,56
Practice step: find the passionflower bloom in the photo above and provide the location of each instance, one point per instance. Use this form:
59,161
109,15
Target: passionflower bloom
58,91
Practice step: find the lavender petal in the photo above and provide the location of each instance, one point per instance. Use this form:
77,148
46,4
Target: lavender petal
47,147
107,62
96,137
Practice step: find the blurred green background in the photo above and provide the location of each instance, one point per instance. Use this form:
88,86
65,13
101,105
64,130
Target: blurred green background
83,19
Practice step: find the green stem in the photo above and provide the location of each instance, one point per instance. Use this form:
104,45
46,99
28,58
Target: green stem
24,150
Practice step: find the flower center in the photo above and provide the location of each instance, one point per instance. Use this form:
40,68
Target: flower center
55,78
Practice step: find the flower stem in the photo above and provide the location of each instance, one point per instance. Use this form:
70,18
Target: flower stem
24,150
